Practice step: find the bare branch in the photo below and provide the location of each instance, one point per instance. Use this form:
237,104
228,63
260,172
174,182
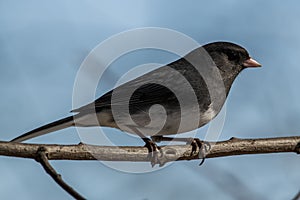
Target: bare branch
231,147
44,152
42,158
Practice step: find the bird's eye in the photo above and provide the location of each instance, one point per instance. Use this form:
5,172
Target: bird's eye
232,56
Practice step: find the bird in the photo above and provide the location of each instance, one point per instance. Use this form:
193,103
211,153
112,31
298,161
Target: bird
191,89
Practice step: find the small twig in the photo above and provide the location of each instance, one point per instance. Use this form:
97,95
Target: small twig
42,158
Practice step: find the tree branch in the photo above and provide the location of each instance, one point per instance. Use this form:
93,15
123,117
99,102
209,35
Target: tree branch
44,152
231,147
42,158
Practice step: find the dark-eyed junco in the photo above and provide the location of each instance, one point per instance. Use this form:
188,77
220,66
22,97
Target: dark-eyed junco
175,98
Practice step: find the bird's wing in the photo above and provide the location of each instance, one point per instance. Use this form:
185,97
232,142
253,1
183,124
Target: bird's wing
140,92
153,88
141,98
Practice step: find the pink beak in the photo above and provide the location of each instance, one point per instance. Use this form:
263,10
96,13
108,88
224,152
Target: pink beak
251,63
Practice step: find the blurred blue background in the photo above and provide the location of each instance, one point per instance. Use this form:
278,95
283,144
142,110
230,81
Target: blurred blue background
42,45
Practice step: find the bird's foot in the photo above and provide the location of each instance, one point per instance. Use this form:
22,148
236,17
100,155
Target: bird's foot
154,152
196,143
203,146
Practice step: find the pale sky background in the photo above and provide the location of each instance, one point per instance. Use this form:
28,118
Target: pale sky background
42,45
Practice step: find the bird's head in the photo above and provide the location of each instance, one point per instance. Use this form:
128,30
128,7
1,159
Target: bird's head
230,57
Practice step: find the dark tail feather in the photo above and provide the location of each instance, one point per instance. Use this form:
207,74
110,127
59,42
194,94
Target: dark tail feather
48,128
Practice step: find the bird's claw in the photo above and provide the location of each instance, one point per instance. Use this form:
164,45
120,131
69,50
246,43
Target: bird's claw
154,153
203,146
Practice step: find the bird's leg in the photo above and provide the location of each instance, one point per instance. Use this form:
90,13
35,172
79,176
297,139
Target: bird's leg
203,146
153,149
